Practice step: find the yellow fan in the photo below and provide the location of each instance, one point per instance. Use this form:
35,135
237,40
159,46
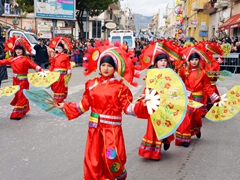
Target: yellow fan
67,78
43,79
226,48
73,64
194,104
9,90
227,108
168,103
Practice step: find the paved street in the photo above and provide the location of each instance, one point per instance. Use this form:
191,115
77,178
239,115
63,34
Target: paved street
44,147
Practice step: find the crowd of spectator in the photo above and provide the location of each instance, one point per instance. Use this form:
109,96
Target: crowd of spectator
81,47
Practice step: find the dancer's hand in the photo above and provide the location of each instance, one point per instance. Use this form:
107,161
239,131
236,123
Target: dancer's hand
59,105
145,101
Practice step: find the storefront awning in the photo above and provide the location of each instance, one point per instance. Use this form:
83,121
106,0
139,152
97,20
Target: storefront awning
232,22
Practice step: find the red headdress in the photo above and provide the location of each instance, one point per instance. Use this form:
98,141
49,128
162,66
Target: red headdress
61,40
214,48
14,41
123,63
162,47
186,52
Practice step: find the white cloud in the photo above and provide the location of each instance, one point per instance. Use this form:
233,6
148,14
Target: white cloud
146,7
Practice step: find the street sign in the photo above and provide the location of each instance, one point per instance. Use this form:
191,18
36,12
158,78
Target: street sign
63,30
6,8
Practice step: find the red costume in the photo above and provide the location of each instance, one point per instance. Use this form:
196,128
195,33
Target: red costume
213,73
197,83
60,63
150,145
20,66
105,154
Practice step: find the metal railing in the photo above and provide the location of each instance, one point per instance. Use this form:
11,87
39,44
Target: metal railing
231,62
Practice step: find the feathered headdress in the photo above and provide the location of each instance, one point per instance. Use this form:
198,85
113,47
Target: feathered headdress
61,40
161,47
14,41
186,52
123,63
214,48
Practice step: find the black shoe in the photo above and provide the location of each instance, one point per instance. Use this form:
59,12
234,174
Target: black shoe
198,135
16,119
156,159
185,144
166,146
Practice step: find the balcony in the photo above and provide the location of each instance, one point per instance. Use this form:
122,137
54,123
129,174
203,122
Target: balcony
112,18
221,4
208,7
13,12
197,5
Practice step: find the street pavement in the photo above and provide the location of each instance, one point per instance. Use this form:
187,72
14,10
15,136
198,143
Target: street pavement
45,147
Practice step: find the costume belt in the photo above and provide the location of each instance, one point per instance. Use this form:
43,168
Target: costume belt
197,96
200,93
62,71
20,76
95,119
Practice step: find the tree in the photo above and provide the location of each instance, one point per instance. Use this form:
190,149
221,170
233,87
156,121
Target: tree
92,7
26,6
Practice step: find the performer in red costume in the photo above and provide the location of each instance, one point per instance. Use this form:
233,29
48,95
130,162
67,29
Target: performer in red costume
107,97
60,63
197,84
212,69
150,146
20,64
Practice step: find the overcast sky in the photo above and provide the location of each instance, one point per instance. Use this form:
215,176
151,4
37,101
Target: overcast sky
146,7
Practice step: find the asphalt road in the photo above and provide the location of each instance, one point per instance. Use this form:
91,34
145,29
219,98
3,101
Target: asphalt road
45,147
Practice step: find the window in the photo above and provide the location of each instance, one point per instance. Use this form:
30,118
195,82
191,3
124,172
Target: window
116,39
17,34
128,39
31,38
96,29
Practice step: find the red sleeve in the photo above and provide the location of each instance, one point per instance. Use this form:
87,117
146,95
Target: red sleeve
207,88
33,65
5,61
68,63
182,73
74,110
51,68
138,109
125,98
141,110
